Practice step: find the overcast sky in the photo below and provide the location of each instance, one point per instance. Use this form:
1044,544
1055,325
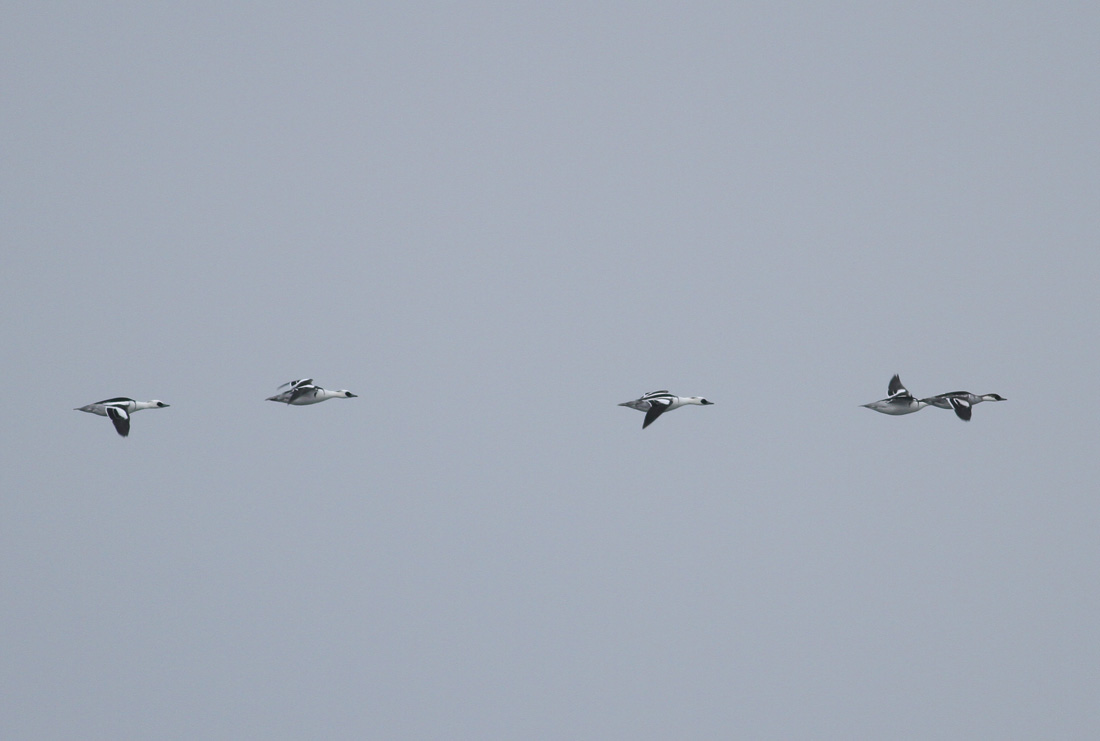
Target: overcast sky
494,222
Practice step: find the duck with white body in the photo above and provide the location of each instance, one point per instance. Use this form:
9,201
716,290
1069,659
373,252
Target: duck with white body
119,410
900,401
656,403
304,391
961,401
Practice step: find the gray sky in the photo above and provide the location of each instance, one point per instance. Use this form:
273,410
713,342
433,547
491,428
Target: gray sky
494,223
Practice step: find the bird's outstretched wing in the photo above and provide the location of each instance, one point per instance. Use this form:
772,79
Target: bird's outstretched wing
896,387
120,418
656,409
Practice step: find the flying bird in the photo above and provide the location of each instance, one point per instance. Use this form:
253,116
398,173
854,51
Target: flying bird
656,403
304,391
119,410
900,401
961,401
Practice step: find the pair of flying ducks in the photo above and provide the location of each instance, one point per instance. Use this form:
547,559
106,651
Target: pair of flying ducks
900,401
299,393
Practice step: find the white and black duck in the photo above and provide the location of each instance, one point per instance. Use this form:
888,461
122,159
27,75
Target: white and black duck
304,391
656,403
900,401
961,401
119,409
